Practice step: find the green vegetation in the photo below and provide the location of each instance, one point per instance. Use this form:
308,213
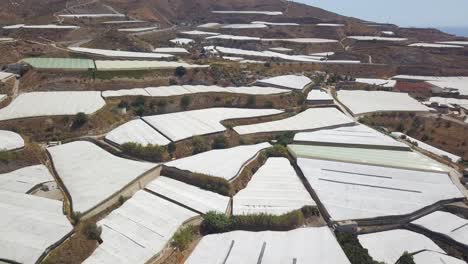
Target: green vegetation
180,71
76,216
6,156
185,101
219,223
154,153
210,183
182,238
286,138
406,258
171,148
91,231
353,249
251,101
277,151
220,142
199,145
79,120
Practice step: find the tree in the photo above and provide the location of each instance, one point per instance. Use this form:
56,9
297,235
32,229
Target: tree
79,120
91,231
180,71
185,101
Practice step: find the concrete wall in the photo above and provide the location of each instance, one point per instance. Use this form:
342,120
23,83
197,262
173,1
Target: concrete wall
128,191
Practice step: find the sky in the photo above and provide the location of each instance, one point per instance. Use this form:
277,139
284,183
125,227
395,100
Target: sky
405,13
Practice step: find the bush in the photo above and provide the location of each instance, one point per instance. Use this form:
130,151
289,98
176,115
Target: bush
199,145
251,101
91,231
79,120
185,101
219,223
139,102
277,151
214,223
180,71
123,104
406,258
149,152
286,138
220,142
76,216
269,104
309,211
172,147
183,237
353,249
6,156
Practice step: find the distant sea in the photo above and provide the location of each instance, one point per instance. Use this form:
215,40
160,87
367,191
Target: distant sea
459,31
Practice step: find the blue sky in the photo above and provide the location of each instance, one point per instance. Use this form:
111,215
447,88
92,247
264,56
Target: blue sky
417,13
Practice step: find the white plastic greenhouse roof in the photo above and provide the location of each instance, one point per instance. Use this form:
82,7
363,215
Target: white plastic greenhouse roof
389,246
170,50
37,104
310,119
378,82
182,125
371,38
10,140
91,174
364,102
359,135
353,191
166,91
115,65
29,225
378,157
296,82
25,179
181,41
222,163
137,131
447,224
319,95
431,257
138,230
274,189
118,53
197,199
303,245
427,147
268,13
433,45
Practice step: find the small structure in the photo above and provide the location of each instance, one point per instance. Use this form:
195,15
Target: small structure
319,97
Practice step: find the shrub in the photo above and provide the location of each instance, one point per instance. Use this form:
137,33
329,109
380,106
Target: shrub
353,249
180,71
199,145
309,211
185,101
214,223
123,104
79,120
183,237
139,102
406,258
286,138
277,151
269,104
251,101
149,152
76,216
140,111
220,142
300,97
172,147
219,223
6,156
91,231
